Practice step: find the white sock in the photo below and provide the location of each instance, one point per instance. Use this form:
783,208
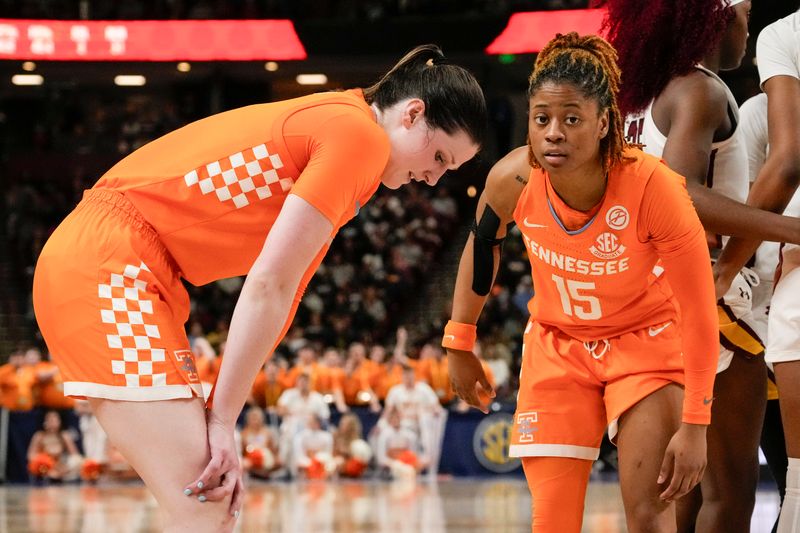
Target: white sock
790,512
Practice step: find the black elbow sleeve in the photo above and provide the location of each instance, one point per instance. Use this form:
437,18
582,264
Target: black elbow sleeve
484,241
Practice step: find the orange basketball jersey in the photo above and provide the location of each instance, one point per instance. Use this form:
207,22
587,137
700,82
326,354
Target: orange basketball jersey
598,281
213,188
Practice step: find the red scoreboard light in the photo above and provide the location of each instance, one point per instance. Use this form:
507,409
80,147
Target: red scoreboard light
156,40
527,33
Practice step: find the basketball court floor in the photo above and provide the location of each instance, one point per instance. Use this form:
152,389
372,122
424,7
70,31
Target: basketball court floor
492,505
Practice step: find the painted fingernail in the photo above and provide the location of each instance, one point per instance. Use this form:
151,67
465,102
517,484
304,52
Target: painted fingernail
199,484
188,492
201,498
236,514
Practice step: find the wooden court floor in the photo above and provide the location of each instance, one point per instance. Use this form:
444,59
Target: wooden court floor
493,505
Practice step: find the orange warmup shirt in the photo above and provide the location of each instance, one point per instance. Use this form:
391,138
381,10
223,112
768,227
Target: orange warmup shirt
50,393
434,373
602,280
329,379
16,388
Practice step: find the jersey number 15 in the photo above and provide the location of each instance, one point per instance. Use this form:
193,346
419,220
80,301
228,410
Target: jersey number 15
573,302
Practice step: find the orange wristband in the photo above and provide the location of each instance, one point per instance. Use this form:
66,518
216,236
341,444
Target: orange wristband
459,336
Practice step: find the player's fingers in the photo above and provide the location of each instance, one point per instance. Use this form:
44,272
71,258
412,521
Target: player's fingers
673,488
225,489
238,497
470,396
486,386
212,471
666,467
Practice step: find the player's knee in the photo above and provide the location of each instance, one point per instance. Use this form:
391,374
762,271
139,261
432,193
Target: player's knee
649,516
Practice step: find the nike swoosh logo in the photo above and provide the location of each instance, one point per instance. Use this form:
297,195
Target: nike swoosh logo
707,401
530,225
449,337
655,331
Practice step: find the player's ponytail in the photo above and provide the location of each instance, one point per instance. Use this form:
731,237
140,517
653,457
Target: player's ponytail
453,99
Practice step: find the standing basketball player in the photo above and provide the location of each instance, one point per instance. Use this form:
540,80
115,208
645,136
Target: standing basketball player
259,190
685,114
778,53
605,346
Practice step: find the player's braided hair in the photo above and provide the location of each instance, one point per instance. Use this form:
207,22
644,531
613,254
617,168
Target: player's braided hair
659,40
590,64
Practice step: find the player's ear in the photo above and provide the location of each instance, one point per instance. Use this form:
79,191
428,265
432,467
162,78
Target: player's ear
603,124
413,111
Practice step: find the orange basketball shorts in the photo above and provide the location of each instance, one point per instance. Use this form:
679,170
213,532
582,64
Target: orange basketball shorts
571,391
111,307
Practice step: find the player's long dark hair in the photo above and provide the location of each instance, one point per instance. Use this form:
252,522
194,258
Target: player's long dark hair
453,99
590,64
658,40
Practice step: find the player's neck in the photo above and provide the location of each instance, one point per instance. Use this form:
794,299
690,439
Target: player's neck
712,62
581,189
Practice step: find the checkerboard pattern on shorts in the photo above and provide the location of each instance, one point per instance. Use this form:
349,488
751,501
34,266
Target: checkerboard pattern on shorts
244,177
125,306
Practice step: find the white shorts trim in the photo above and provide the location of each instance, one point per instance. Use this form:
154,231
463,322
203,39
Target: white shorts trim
554,450
133,394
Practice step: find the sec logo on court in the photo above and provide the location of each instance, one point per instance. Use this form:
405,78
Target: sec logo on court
490,443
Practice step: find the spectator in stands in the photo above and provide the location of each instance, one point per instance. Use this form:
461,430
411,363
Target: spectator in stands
357,388
16,383
397,448
93,440
259,445
420,412
269,385
432,369
330,379
313,451
306,363
49,387
294,406
351,451
52,453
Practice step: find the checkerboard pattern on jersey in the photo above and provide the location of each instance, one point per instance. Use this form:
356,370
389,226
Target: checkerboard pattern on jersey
125,306
244,177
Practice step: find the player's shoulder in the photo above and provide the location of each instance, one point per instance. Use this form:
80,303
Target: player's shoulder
514,164
784,31
507,178
640,167
696,92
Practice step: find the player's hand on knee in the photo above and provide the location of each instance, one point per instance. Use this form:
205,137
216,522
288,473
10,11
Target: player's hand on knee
466,375
222,477
684,461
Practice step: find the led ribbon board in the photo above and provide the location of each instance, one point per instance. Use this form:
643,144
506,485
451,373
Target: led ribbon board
155,40
527,33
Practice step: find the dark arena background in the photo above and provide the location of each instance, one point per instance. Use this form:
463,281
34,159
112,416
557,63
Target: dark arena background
84,83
